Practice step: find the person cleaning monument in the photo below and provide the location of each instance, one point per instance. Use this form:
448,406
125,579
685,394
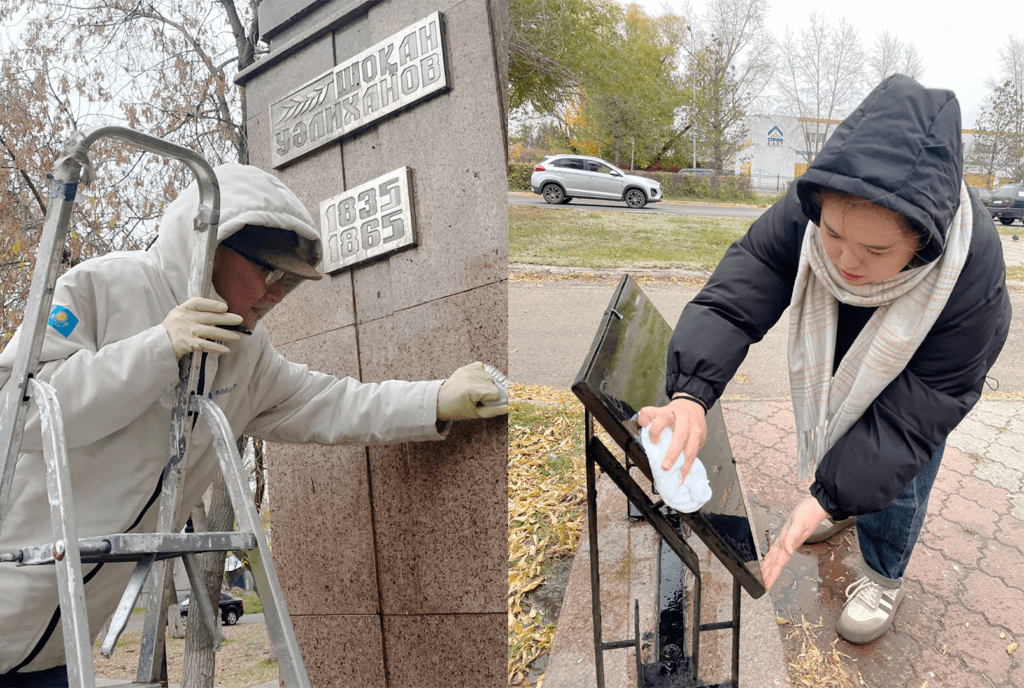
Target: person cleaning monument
895,280
118,327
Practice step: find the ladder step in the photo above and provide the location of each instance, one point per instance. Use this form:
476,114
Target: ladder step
135,546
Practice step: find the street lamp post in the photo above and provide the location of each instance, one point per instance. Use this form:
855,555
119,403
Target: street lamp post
693,112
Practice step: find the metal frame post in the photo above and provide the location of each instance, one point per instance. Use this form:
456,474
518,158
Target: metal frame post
598,454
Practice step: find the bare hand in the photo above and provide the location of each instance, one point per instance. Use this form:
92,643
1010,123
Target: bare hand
689,430
802,521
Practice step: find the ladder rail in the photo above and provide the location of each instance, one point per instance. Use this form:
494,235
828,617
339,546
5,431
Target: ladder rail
275,611
70,169
70,583
201,605
62,198
126,606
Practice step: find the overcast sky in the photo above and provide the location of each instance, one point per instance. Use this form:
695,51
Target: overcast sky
958,45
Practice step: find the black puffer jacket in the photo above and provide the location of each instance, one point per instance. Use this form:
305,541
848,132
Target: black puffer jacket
900,149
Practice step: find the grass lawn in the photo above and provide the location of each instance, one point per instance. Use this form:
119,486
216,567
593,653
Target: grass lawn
574,238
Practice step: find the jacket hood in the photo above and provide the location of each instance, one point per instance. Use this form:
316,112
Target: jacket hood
900,149
248,195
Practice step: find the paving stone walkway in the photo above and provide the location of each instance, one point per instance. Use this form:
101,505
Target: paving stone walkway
965,596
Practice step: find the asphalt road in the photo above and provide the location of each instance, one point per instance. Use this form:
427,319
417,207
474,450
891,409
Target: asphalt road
670,208
552,326
136,622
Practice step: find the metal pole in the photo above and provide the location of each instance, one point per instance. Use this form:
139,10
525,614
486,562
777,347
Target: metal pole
696,624
595,571
693,114
735,633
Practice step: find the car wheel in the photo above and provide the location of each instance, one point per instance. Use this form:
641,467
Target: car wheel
636,199
1006,220
553,194
230,617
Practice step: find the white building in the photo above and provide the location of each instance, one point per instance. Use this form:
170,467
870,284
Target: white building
780,147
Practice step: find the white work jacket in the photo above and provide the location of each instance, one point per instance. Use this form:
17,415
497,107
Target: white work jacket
115,372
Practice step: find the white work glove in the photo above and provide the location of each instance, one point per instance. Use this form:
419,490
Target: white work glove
461,395
192,326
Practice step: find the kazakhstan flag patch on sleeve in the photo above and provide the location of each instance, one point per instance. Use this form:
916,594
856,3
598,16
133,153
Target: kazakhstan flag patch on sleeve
63,320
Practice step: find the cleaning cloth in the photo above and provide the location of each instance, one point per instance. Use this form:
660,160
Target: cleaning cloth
684,496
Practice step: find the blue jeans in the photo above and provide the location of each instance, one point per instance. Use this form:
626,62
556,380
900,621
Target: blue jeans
887,537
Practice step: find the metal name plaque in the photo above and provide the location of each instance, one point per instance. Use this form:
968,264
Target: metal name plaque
392,75
368,221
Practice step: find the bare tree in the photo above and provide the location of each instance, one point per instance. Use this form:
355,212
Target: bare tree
1011,65
998,145
200,661
734,59
912,65
997,148
821,79
889,56
981,153
164,67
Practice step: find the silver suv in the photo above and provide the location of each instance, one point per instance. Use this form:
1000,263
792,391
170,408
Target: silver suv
561,178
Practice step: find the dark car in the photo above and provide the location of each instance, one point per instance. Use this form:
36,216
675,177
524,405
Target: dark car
231,608
1007,203
697,172
984,195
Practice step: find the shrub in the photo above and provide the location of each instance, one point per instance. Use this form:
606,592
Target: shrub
519,176
727,188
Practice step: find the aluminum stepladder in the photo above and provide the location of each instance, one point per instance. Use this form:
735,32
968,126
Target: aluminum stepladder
153,552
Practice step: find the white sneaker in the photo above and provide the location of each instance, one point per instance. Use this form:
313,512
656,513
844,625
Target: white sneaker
869,610
827,528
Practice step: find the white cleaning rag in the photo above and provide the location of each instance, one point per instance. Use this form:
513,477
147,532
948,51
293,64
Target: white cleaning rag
684,496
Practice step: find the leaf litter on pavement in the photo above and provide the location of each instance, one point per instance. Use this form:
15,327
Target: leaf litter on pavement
546,509
814,667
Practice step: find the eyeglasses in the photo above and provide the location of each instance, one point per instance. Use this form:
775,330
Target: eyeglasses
273,274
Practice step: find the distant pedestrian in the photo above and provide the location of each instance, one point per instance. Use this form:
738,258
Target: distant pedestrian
895,278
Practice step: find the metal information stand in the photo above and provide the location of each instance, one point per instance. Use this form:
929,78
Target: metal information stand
623,372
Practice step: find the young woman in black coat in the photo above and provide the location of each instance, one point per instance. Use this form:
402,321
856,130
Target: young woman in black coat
896,280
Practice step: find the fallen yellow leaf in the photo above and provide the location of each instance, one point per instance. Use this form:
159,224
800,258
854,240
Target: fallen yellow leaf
1011,648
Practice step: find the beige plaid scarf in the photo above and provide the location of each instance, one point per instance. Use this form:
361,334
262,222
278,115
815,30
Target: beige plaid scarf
908,304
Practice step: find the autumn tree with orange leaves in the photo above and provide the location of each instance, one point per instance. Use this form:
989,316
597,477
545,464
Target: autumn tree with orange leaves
164,68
